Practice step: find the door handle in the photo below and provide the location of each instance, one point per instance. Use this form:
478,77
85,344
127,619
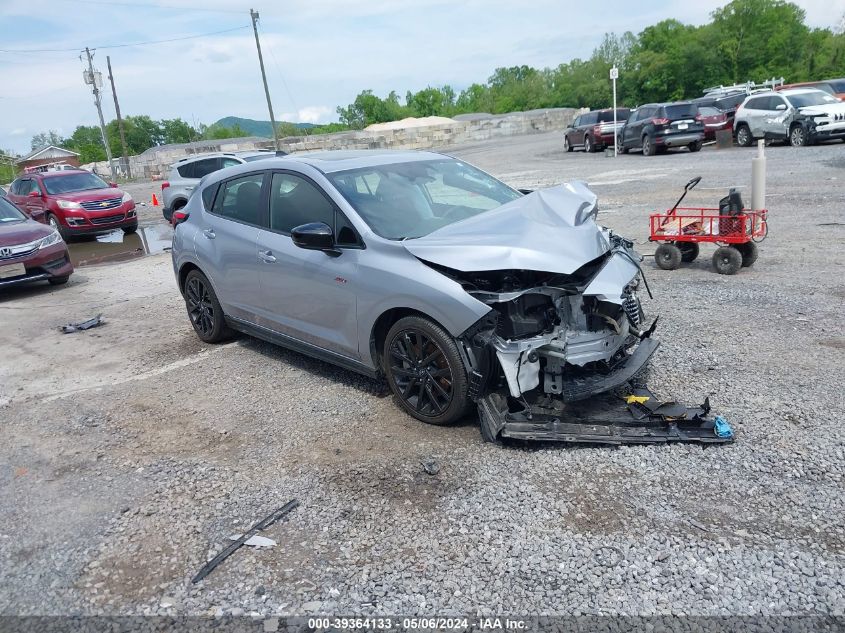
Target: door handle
267,256
209,233
189,188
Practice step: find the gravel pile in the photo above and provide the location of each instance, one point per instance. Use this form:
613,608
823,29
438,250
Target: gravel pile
114,498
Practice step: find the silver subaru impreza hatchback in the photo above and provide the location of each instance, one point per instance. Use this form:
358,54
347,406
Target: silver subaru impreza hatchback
422,269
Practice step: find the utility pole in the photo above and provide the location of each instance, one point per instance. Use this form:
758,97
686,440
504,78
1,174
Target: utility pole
91,78
254,16
124,162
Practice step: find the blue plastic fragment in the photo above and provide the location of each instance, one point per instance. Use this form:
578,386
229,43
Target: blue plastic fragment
722,427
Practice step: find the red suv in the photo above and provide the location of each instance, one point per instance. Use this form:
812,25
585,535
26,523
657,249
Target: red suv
30,251
594,130
74,202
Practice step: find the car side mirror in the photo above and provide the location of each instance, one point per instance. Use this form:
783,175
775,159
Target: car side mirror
780,106
314,236
34,194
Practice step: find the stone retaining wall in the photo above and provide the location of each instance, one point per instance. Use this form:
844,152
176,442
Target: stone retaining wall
155,161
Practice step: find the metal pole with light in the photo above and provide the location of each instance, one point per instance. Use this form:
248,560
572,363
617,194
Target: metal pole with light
614,75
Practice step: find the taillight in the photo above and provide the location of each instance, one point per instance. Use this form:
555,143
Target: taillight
596,130
699,118
164,185
660,121
178,217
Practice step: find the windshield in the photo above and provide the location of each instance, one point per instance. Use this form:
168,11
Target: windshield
815,98
73,182
9,213
409,200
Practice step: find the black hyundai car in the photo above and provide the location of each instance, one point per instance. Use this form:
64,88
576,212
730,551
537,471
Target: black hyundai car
655,127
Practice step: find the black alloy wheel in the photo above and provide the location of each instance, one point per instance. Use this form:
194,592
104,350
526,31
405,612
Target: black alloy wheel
425,371
204,309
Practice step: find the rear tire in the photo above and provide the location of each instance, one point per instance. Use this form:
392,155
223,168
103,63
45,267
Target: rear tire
204,309
689,251
589,146
425,371
727,260
749,253
695,146
743,136
648,147
668,256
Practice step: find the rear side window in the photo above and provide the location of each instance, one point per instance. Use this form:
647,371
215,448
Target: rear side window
758,103
199,168
680,111
208,196
838,85
239,199
590,118
230,162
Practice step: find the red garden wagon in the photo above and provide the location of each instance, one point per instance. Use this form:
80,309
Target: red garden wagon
681,229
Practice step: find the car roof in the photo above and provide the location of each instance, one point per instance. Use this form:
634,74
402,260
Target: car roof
340,160
61,172
802,91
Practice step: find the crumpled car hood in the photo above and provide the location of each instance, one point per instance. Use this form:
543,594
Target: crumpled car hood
551,230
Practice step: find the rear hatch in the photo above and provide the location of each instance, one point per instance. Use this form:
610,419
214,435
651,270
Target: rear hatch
681,118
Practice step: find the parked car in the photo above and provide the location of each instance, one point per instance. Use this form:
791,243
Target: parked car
594,130
655,127
800,116
29,250
835,87
74,202
417,267
727,103
186,173
714,120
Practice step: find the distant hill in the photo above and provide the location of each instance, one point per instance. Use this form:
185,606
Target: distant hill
257,128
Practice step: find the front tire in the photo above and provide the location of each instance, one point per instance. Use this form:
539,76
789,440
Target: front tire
425,371
668,256
567,146
129,230
798,136
58,281
53,221
727,260
204,309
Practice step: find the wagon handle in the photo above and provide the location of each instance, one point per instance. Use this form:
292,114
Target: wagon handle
692,183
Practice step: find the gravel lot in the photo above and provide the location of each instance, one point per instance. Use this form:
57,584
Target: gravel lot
131,452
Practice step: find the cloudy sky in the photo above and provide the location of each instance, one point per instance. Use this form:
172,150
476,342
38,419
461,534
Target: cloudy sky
318,53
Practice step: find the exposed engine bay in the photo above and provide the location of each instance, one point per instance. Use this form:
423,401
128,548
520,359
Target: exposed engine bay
565,327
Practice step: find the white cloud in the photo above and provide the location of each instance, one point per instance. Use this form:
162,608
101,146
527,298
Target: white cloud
313,114
18,131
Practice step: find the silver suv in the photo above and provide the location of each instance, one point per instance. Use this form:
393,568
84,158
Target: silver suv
186,173
420,268
800,116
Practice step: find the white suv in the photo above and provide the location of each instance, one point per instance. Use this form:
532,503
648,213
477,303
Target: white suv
801,116
186,173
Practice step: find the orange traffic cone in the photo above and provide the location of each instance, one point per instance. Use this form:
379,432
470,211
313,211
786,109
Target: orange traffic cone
155,201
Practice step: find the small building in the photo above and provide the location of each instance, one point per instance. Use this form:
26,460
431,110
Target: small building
47,158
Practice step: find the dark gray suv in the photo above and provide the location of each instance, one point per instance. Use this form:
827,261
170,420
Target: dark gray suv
655,127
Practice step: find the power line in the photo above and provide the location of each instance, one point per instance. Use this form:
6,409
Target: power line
136,5
76,48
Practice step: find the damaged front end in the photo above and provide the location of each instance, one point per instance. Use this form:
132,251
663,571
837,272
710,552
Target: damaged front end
542,362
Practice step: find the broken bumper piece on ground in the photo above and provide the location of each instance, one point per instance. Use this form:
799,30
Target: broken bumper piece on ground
641,418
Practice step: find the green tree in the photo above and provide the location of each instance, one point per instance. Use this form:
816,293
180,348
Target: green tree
431,102
43,139
220,132
176,131
368,109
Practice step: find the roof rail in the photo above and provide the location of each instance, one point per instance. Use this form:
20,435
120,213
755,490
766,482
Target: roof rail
748,87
